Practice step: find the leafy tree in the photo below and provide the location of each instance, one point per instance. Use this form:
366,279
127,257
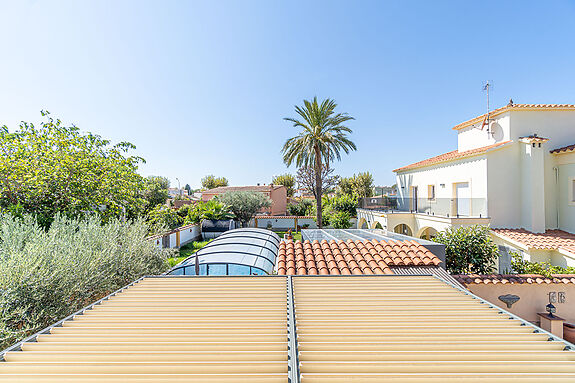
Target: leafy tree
299,208
340,220
360,185
212,182
345,186
245,204
468,249
345,203
162,218
307,181
215,210
55,168
286,180
363,184
155,191
322,139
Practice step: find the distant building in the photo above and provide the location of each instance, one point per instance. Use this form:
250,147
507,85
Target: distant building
174,192
277,194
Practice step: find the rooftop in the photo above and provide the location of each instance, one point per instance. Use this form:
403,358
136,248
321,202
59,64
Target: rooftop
258,188
453,155
550,240
351,257
514,107
476,279
235,329
565,149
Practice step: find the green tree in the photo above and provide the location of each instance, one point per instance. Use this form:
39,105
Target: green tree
345,186
212,182
299,208
286,180
345,203
155,191
468,249
245,204
340,220
56,168
322,139
162,218
363,184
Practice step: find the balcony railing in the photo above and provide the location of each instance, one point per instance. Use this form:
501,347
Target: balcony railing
444,207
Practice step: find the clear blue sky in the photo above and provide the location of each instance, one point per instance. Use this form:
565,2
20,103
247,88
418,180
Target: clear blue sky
202,87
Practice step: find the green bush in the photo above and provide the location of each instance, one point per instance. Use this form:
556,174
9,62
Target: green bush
46,275
163,218
300,208
468,249
345,203
522,266
213,210
340,220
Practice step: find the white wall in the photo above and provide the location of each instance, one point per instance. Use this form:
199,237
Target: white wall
565,196
473,137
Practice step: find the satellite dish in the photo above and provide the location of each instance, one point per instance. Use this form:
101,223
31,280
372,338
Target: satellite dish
496,131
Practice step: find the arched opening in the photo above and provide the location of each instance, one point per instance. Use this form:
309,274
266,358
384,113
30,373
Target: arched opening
402,228
362,224
376,225
427,233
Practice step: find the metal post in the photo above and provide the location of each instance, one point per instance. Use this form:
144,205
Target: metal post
293,354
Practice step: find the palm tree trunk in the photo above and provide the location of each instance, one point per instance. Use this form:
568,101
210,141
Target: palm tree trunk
318,188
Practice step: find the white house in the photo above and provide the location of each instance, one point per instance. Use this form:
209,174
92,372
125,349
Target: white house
513,169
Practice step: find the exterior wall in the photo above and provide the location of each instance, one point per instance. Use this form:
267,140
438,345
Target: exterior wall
471,138
279,201
566,207
503,187
472,170
533,298
178,237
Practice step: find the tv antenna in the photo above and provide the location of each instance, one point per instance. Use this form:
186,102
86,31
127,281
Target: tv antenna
488,85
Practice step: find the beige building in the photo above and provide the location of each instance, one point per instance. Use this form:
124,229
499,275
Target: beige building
277,194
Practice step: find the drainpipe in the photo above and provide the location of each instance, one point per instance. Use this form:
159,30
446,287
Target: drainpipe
556,170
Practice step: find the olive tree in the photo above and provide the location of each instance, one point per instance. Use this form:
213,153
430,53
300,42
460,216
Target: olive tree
245,204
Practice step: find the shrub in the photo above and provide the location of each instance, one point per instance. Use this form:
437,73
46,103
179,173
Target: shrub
162,218
46,275
345,203
340,220
300,208
522,266
468,249
213,210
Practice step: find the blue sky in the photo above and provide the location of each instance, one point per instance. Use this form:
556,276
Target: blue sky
202,87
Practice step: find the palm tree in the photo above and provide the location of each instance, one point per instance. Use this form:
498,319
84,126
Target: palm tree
321,140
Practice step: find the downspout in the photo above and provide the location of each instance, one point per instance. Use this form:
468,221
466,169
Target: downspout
556,168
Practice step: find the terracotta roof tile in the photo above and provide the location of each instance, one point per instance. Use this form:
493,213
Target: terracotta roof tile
450,156
350,257
565,149
471,279
550,240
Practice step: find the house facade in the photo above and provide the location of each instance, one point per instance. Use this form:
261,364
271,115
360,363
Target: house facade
277,194
513,169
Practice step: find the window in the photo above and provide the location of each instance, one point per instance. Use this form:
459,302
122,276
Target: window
431,192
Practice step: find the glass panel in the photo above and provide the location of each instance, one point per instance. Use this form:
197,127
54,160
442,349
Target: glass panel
256,271
217,269
238,270
203,269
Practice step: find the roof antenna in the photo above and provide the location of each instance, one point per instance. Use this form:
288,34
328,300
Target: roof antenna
487,120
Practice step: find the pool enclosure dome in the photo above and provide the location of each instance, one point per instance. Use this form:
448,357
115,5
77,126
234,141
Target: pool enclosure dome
246,251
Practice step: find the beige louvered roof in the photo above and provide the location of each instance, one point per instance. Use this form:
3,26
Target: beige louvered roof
346,328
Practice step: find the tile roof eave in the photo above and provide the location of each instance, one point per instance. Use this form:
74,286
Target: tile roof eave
474,153
515,107
565,149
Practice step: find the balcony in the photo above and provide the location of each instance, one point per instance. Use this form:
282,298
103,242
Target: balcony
442,207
